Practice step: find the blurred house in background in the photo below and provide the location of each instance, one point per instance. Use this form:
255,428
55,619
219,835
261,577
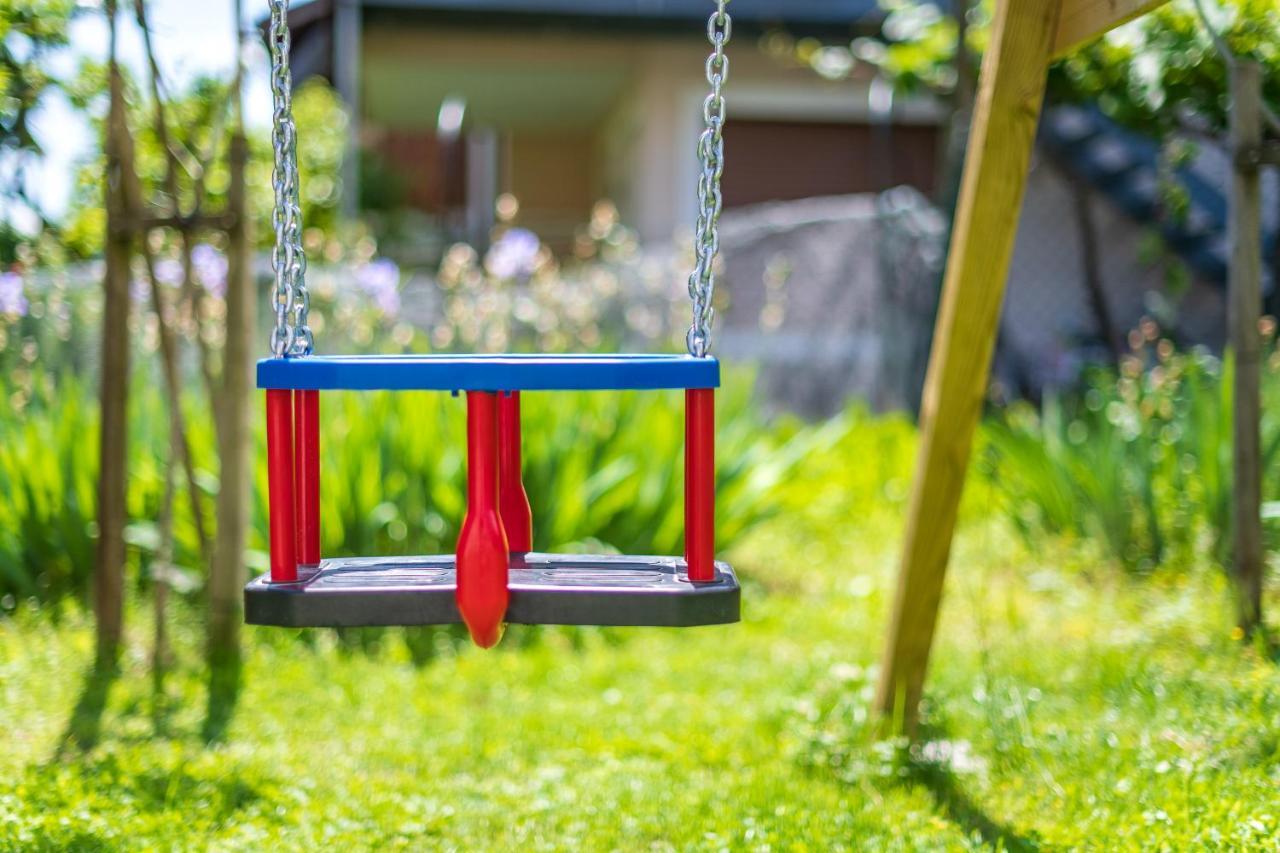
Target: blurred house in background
831,274
562,102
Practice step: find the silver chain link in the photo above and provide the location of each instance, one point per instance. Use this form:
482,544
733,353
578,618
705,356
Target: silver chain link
702,281
290,300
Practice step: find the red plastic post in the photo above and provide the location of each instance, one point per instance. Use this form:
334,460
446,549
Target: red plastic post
306,471
700,484
482,557
280,506
513,500
688,473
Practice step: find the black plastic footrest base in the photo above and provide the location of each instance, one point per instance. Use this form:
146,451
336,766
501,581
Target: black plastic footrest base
546,589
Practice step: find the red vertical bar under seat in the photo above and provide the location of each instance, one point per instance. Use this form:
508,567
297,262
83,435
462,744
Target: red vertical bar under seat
513,500
700,484
307,475
280,501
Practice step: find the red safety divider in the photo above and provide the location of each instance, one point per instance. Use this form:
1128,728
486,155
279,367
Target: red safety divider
306,473
280,503
482,555
513,500
688,501
700,484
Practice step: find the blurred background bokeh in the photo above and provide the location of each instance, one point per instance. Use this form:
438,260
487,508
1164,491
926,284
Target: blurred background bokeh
519,175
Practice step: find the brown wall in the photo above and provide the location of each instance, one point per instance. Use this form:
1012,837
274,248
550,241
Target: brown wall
781,160
431,175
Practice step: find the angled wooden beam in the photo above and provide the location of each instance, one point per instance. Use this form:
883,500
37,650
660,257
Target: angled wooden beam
1081,21
1010,95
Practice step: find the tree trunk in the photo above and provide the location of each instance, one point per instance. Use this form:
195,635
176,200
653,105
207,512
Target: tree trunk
233,409
1244,306
120,189
168,345
161,567
956,129
1082,203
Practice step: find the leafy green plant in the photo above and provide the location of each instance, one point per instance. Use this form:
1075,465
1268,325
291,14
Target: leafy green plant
1140,461
47,476
602,471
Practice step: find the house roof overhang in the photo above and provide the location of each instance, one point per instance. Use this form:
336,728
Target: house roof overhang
312,23
816,17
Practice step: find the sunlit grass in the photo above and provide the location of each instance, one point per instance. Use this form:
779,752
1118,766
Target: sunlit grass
1069,705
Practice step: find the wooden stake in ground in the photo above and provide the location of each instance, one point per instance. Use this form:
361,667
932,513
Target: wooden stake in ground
120,200
234,404
1244,308
226,575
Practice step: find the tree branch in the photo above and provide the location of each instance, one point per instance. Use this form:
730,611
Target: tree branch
173,161
173,387
1269,116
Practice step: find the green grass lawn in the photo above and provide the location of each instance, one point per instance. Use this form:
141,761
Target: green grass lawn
1069,706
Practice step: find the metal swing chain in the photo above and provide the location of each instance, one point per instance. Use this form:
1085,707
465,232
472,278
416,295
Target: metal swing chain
702,281
290,299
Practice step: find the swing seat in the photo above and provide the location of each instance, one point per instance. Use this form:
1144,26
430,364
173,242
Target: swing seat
303,590
493,578
546,589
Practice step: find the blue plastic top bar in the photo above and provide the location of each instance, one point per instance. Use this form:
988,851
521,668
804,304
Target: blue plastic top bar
508,372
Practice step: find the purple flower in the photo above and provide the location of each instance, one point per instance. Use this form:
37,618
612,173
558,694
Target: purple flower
210,269
12,299
380,279
514,255
388,301
377,276
169,272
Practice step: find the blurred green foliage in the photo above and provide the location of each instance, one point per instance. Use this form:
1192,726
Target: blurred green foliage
198,125
1139,462
1162,73
603,471
30,30
1137,73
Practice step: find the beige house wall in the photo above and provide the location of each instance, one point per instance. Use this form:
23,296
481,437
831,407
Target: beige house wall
604,116
648,143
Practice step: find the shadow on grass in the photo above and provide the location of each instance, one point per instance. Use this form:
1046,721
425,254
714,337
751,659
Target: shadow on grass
962,810
141,788
224,692
84,728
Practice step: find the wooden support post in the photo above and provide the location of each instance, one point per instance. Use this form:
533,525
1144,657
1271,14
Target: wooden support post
1244,307
1082,21
1010,95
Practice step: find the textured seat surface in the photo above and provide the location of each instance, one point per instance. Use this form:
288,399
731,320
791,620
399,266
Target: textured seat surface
546,589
